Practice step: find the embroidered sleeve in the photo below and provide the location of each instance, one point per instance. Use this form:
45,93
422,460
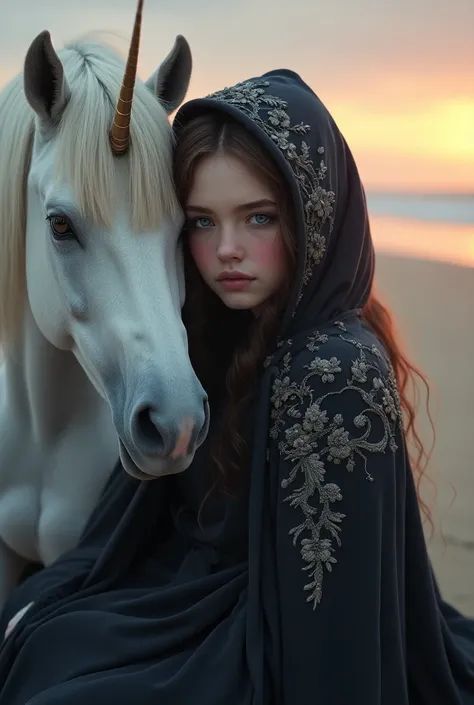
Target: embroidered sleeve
335,414
337,447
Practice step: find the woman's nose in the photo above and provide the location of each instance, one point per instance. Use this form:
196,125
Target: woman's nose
229,247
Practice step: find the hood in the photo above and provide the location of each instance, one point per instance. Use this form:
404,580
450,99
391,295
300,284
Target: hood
335,257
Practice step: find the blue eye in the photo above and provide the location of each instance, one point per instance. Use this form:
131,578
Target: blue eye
202,223
262,219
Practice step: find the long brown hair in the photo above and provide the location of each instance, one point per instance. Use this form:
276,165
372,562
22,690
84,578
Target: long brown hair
411,383
233,362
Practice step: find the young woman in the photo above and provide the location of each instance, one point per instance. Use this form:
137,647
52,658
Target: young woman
288,564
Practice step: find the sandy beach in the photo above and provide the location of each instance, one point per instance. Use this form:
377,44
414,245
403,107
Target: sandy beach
433,304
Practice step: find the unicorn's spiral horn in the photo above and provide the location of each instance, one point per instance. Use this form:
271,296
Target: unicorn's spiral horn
120,131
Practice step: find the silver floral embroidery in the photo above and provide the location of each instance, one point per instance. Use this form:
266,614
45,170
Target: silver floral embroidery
251,98
311,439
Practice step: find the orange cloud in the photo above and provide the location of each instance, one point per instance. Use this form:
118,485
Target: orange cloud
417,147
442,129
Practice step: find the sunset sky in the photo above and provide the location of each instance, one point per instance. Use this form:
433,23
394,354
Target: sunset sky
398,75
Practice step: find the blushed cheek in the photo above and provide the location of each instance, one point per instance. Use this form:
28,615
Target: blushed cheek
203,255
269,256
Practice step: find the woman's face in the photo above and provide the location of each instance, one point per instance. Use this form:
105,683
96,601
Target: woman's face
234,232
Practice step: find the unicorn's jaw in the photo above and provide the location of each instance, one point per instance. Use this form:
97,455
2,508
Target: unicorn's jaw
47,389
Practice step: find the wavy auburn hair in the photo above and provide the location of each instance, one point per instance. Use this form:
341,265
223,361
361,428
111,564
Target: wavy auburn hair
234,360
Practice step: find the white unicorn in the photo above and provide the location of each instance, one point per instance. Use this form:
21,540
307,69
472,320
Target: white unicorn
96,364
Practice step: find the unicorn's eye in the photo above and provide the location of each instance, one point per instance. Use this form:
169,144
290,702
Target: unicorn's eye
60,227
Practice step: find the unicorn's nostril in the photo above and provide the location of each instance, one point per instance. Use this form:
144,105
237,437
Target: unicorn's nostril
146,430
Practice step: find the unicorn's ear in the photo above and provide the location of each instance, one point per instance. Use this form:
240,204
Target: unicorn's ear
170,82
46,88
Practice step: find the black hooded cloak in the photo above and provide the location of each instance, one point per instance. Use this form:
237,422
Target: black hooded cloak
313,584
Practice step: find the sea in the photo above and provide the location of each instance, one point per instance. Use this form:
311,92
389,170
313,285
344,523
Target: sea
426,226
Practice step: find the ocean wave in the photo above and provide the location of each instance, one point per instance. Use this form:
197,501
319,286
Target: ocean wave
441,208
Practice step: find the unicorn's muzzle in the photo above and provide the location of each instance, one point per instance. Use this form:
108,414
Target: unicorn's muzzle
159,434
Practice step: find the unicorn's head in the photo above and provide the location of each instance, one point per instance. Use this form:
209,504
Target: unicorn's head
89,227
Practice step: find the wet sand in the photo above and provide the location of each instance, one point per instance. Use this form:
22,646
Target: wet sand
434,305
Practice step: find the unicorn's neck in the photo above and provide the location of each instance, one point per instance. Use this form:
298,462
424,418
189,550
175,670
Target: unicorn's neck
46,387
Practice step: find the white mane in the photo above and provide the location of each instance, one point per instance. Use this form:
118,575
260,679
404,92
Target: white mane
94,73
